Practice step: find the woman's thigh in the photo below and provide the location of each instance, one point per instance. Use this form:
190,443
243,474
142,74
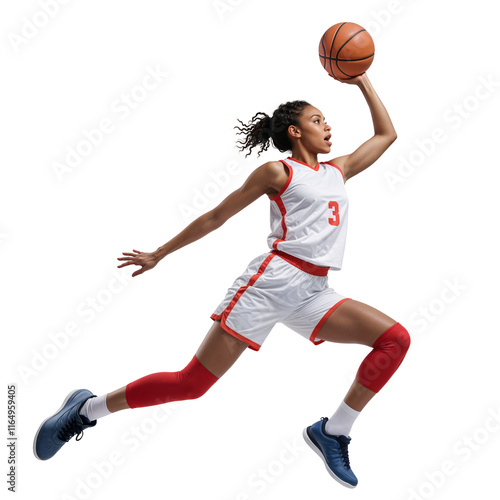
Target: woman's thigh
354,322
219,350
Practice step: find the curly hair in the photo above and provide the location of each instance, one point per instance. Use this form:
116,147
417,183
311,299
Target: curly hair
262,129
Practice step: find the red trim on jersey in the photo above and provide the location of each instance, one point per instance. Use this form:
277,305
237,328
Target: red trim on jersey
287,183
316,168
302,264
316,330
223,316
337,167
277,199
282,208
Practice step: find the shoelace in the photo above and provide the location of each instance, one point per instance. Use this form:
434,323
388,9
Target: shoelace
343,450
345,454
70,429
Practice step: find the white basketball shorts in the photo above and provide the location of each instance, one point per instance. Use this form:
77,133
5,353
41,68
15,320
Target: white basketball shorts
277,288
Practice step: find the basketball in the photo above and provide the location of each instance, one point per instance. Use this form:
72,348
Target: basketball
346,50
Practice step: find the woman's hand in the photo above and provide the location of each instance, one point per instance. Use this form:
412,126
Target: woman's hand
357,80
146,260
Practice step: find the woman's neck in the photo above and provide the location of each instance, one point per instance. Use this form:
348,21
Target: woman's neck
305,156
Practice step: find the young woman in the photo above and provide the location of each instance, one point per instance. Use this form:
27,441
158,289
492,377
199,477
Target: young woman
287,284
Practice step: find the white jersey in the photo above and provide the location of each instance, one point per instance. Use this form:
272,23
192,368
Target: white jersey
309,214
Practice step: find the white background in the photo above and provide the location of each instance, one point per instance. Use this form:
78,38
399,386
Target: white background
422,244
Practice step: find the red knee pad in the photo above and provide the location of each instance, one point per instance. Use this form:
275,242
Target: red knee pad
388,352
158,388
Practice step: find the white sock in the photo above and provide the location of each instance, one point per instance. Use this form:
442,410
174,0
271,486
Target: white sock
342,420
95,408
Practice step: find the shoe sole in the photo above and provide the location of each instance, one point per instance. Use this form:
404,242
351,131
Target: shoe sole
312,444
41,425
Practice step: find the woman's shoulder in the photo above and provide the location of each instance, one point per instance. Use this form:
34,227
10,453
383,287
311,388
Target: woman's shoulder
274,167
276,175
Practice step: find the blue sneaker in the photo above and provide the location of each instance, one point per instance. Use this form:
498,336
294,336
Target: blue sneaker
333,451
58,429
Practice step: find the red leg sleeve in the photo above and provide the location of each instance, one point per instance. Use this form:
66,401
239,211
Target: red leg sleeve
388,352
158,388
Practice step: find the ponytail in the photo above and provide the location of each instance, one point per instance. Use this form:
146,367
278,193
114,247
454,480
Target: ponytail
262,129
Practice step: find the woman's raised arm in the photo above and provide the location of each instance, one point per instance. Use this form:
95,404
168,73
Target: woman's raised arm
384,132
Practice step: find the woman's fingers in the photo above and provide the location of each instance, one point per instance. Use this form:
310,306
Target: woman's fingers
136,259
137,252
126,264
130,258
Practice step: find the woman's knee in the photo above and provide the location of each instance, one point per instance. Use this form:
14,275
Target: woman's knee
396,338
195,380
387,354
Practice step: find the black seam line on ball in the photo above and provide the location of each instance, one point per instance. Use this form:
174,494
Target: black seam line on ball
347,60
324,50
338,52
331,47
347,41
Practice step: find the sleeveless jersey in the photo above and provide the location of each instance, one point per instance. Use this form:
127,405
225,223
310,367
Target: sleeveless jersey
309,214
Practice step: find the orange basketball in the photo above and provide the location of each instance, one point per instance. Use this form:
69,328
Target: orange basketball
346,50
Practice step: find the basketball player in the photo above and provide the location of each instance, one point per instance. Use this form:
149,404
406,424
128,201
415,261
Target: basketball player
287,284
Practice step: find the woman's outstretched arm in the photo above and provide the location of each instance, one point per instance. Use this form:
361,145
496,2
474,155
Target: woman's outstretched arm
384,132
267,178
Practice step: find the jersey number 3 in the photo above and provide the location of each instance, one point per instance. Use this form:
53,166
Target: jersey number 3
334,207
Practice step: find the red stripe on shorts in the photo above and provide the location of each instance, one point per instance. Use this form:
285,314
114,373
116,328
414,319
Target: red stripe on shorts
251,344
251,281
223,316
316,330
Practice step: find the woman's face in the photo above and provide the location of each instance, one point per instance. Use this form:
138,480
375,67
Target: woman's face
314,132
